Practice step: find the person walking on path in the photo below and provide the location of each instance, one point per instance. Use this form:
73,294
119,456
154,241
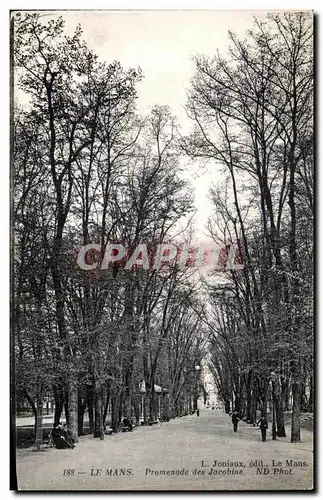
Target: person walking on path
235,420
263,424
198,412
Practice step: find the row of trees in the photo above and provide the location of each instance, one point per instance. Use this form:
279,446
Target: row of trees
88,169
253,114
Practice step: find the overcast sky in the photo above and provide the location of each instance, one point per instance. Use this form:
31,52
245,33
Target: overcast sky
162,43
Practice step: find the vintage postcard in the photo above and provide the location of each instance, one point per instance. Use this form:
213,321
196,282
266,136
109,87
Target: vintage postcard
162,220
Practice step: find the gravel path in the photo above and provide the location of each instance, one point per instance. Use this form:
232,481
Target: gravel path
188,453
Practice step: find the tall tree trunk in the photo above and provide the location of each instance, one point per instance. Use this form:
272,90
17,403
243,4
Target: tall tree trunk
127,393
136,409
39,424
296,427
237,403
278,401
115,410
59,403
66,407
249,405
106,404
72,408
253,409
165,406
81,402
304,402
90,406
264,404
33,406
171,404
311,397
80,419
152,405
147,406
98,427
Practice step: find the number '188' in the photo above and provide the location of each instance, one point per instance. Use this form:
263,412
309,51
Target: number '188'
68,472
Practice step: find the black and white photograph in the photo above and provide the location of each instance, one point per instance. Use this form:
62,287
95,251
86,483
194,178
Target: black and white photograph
162,207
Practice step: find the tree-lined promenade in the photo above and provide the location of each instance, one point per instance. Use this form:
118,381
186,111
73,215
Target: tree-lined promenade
87,168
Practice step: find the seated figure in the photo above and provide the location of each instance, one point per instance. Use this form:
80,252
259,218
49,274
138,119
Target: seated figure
127,425
60,438
68,435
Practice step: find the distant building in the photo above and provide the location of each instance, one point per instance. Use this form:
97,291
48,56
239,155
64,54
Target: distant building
212,396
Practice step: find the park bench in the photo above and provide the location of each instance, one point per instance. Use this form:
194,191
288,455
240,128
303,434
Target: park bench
127,428
152,422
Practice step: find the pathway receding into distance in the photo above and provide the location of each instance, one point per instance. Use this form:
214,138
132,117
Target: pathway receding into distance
169,456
